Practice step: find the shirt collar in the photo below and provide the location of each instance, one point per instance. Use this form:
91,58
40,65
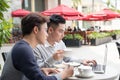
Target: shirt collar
47,44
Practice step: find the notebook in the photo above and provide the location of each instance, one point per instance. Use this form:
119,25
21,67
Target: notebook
100,68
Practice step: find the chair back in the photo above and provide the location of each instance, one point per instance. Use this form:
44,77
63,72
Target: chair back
118,47
4,55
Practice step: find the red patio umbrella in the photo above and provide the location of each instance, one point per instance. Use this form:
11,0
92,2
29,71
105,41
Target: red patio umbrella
63,10
118,15
105,14
91,19
72,17
20,13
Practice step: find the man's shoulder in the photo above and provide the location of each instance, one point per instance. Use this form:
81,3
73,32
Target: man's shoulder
21,45
40,46
61,43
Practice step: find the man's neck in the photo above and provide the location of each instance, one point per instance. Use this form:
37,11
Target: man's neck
51,42
31,41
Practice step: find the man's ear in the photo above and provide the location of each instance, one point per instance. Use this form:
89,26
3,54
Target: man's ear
35,29
50,30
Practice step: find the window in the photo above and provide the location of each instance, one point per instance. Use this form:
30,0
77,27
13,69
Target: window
39,5
26,4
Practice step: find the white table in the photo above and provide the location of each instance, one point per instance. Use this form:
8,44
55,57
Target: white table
110,74
97,53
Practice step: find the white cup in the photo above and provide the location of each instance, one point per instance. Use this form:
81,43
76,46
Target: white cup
67,52
85,71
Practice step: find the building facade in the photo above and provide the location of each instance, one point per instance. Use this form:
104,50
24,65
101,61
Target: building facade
86,7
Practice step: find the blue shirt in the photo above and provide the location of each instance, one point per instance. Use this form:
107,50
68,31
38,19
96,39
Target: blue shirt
24,62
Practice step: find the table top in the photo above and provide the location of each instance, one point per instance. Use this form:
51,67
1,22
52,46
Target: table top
110,74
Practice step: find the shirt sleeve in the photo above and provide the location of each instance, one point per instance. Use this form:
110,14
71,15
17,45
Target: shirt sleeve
24,61
41,60
69,59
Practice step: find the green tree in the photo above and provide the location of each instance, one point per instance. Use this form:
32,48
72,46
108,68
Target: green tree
5,26
3,7
76,3
108,3
111,6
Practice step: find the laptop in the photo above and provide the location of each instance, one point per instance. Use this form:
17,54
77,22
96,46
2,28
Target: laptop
100,68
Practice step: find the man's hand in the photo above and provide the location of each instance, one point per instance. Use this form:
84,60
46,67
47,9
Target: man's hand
67,72
58,55
49,71
89,62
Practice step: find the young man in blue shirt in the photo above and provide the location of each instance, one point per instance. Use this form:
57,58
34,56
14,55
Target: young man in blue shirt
21,63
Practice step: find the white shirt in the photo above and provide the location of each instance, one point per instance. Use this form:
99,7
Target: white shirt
43,54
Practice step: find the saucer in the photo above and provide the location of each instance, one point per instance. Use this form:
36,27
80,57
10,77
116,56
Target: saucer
59,65
75,64
72,78
85,76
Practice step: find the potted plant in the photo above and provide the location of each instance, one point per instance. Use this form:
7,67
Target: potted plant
73,40
97,38
115,34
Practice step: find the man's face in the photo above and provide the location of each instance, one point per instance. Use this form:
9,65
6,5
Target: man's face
58,33
42,34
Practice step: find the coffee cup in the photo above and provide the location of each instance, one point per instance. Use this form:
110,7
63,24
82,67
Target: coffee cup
85,71
67,52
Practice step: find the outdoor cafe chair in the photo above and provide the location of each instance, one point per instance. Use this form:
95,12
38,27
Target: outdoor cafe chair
4,55
118,47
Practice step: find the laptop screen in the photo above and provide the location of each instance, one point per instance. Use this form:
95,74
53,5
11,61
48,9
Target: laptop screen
105,56
101,68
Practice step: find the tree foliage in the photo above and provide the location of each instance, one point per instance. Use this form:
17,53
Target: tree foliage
5,25
111,6
3,7
76,3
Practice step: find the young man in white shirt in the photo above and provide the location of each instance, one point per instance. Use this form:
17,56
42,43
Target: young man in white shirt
50,53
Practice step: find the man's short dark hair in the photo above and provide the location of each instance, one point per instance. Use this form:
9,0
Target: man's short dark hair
55,20
30,21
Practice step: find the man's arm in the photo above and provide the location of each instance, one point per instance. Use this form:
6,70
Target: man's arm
43,59
69,59
24,61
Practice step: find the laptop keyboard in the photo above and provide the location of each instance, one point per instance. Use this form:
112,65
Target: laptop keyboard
100,68
97,68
